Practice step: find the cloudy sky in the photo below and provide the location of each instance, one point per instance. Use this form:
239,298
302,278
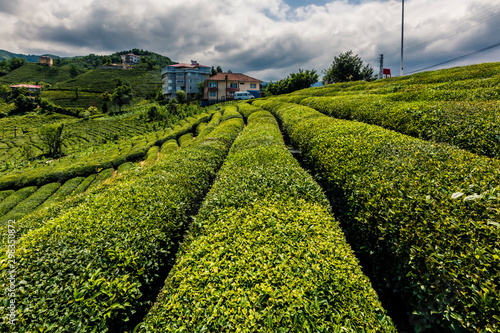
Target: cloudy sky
267,39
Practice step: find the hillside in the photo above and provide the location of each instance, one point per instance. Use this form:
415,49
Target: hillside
92,60
32,72
85,90
29,57
90,85
384,219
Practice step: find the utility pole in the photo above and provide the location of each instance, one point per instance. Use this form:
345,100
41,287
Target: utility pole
402,32
381,71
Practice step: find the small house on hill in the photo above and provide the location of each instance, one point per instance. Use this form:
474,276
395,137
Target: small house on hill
130,59
32,88
222,86
45,61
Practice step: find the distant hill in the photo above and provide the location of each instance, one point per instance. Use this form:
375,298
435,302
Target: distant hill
29,57
90,61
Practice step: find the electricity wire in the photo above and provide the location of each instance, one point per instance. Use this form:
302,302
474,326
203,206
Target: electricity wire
457,58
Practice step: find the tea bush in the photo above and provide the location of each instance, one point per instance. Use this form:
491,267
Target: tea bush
185,140
63,191
474,126
169,146
265,254
88,162
92,267
425,216
29,204
15,198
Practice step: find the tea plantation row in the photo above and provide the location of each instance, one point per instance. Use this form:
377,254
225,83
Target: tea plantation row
20,141
461,110
265,253
94,159
96,264
422,216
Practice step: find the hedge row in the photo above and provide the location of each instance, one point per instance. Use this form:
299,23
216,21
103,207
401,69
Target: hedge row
84,185
476,82
152,154
87,163
169,146
265,253
95,265
15,198
212,124
185,140
423,215
64,191
230,112
474,126
4,194
101,177
29,204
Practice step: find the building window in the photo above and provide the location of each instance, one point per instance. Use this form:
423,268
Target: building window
169,81
234,85
169,87
212,94
253,85
212,84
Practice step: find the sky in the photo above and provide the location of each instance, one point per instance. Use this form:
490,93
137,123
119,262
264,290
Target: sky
266,39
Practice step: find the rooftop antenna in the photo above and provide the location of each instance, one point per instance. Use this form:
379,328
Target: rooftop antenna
402,32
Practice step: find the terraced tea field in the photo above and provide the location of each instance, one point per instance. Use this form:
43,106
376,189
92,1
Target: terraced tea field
389,221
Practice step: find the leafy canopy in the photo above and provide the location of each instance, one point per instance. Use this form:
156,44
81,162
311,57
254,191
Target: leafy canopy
295,81
347,67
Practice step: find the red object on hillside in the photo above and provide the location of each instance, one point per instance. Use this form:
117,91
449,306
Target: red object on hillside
387,72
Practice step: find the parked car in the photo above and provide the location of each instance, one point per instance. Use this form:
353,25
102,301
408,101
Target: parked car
242,95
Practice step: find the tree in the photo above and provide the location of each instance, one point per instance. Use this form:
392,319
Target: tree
73,71
24,104
4,92
347,67
121,96
15,63
181,96
295,81
52,138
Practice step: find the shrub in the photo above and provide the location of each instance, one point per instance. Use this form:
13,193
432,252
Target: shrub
15,198
185,140
169,146
106,253
29,204
423,215
265,253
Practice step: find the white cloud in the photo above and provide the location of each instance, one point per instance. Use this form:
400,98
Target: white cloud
264,38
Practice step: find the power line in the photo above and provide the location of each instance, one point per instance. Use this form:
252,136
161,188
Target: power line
454,59
481,14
